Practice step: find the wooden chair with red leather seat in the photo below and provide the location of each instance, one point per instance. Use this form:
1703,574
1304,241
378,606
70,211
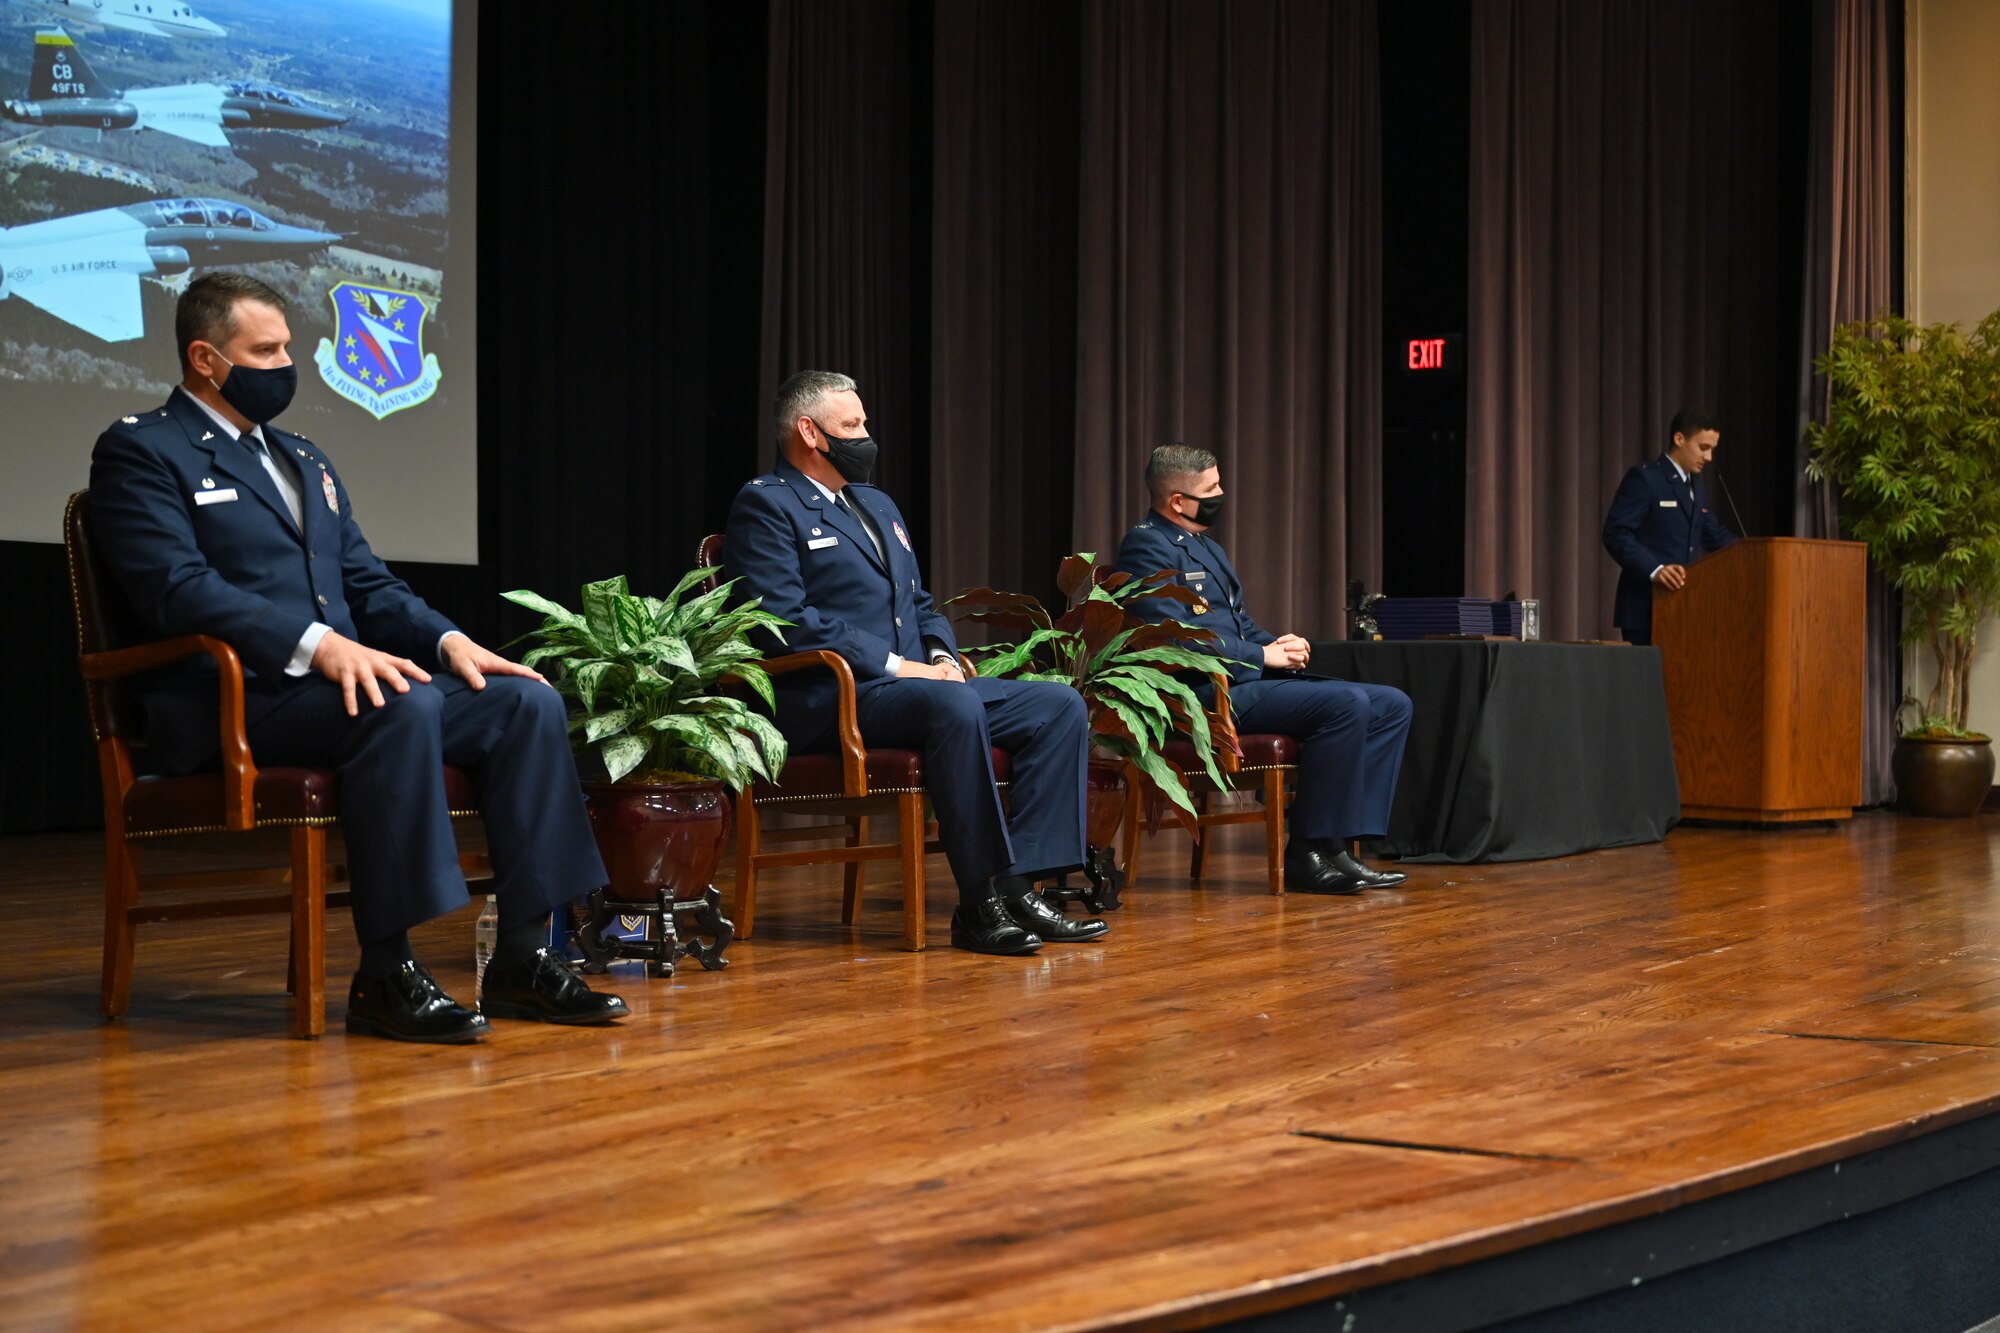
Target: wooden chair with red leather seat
1265,761
854,784
241,798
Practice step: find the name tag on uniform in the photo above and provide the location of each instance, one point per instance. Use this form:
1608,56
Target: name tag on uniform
1670,504
214,497
822,543
1195,574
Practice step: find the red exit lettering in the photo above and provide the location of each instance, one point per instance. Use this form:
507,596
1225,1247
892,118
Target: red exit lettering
1426,354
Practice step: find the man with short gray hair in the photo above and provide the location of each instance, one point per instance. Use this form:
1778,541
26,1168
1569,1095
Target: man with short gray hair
1351,735
831,554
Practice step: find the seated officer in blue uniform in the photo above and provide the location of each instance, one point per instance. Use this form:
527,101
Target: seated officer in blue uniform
1660,522
831,554
216,522
1351,735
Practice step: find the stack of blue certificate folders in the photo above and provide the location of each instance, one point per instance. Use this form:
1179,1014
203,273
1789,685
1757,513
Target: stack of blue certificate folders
1507,619
1419,617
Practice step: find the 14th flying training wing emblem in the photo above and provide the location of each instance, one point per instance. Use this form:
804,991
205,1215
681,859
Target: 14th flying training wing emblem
376,358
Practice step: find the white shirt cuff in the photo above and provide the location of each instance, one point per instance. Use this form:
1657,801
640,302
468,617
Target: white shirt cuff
894,665
439,650
1655,574
302,656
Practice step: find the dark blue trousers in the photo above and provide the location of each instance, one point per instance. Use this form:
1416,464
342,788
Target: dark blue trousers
402,861
1043,725
1351,748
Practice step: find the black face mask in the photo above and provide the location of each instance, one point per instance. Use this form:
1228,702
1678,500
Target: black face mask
853,459
258,394
1207,509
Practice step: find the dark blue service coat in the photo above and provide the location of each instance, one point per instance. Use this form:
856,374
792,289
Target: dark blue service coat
813,563
1656,519
193,560
1199,563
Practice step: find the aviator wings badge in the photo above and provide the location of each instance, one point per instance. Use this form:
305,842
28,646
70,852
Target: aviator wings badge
376,358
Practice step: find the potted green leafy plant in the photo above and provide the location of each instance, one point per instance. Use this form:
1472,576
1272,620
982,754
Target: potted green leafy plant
659,741
1912,441
1130,672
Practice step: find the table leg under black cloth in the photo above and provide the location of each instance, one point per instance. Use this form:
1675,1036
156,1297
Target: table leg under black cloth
1521,751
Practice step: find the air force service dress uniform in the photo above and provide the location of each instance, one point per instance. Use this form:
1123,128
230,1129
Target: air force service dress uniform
814,563
1351,735
1660,516
203,542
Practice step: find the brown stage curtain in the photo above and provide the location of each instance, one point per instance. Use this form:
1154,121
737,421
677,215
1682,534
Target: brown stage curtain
1621,218
1229,282
1849,275
846,259
1848,269
1003,297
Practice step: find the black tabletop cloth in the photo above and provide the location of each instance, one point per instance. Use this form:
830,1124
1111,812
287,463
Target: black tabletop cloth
1521,751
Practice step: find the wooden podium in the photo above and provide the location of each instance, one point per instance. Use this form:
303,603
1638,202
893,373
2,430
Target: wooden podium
1763,651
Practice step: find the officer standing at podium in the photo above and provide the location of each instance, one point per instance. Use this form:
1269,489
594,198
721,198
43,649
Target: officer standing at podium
1660,523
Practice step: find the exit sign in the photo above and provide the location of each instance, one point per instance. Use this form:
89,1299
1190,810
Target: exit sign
1429,354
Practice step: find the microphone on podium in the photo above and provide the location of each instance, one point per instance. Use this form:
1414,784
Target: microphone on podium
1741,531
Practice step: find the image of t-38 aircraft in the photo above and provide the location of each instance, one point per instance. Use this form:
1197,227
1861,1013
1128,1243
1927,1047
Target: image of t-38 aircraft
64,90
85,269
155,18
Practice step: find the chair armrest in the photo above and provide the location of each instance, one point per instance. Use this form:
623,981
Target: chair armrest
853,755
239,769
1231,759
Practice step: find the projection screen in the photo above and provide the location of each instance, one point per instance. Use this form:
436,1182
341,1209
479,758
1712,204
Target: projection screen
326,148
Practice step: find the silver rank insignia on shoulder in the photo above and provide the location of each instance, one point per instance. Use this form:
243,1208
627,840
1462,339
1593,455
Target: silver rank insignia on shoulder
756,481
206,436
131,421
208,483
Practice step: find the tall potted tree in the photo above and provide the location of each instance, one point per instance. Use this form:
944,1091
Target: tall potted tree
1130,673
1912,441
659,742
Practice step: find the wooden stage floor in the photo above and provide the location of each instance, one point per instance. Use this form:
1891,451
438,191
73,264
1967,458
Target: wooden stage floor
1234,1104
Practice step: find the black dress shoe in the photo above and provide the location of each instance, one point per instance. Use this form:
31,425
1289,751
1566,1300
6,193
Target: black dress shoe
1346,863
544,987
1310,870
988,928
408,1005
1035,915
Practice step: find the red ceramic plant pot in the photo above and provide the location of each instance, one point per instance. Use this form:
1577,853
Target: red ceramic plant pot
1105,807
659,837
